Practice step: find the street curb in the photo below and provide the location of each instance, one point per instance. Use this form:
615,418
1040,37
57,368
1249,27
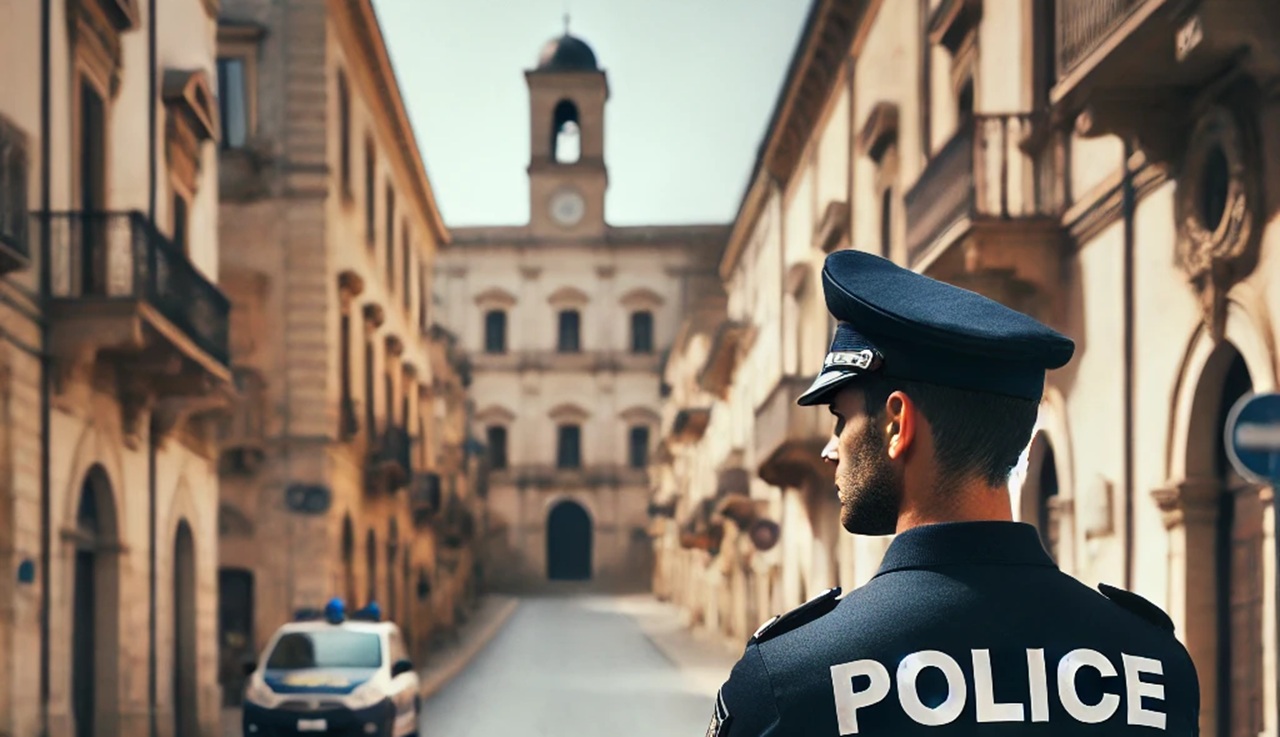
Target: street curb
442,677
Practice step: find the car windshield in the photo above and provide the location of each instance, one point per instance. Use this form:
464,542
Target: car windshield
326,649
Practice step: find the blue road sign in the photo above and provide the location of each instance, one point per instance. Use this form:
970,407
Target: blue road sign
1253,437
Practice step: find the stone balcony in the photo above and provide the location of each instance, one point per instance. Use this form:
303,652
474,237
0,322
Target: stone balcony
124,294
525,361
424,497
1132,67
985,214
789,438
388,458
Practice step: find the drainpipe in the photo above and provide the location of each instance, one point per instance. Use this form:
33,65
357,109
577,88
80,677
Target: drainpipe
46,367
1128,203
152,666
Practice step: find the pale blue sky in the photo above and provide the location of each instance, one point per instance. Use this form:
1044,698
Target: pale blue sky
692,84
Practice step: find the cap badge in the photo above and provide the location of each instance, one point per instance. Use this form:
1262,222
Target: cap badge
862,359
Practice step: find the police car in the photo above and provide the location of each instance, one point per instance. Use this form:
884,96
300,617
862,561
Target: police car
327,674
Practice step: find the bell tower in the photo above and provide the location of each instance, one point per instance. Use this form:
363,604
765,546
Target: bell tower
567,173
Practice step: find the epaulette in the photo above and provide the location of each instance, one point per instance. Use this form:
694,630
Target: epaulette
805,613
1138,606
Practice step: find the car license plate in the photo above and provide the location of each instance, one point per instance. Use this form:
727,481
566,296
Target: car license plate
312,725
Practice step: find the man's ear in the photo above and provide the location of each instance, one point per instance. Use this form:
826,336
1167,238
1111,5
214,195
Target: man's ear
902,420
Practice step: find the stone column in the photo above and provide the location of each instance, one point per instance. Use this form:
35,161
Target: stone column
1190,511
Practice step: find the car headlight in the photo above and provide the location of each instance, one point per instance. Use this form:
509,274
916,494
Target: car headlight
257,692
365,696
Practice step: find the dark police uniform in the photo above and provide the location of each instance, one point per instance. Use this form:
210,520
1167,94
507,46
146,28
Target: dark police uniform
968,628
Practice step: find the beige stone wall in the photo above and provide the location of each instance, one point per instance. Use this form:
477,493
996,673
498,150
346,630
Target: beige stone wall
297,257
85,423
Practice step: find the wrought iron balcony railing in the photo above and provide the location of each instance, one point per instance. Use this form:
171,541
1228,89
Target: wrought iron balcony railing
392,449
1081,26
983,173
121,256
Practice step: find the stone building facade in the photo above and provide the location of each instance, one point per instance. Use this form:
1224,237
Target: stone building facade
115,367
564,322
341,464
1104,166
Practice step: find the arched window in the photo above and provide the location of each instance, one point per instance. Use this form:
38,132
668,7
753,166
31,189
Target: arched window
569,446
495,331
566,143
642,332
497,440
638,447
570,322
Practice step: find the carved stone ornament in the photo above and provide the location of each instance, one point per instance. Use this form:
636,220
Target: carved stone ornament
1217,205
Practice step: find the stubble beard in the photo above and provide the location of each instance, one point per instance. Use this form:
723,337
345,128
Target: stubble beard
869,488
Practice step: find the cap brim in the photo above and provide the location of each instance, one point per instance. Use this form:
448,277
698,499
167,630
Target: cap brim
825,387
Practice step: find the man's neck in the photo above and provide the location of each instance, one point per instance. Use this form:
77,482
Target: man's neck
971,501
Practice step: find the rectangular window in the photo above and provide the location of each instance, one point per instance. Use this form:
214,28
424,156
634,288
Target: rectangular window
404,403
370,213
13,187
93,190
390,235
495,331
180,223
424,296
370,416
389,397
638,447
886,221
569,324
406,269
344,133
346,415
642,332
233,101
569,447
497,440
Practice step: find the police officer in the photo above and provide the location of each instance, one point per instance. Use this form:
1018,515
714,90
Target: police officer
968,627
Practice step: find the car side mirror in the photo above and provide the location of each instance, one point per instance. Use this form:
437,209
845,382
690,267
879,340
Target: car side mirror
249,668
400,667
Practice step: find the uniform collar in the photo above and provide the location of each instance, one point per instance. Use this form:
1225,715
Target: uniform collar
966,543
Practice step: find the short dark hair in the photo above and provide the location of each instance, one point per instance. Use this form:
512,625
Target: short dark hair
974,433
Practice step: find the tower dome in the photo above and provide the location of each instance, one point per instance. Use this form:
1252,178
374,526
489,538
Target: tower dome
567,54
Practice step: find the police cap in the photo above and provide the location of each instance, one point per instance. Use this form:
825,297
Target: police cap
900,324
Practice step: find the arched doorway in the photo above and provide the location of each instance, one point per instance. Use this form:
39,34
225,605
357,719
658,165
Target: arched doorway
236,644
1224,556
348,561
94,609
1239,566
185,693
1039,494
568,542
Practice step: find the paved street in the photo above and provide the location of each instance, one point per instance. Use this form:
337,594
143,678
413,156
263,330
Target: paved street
586,665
